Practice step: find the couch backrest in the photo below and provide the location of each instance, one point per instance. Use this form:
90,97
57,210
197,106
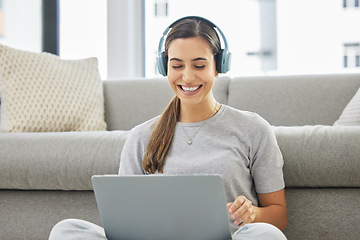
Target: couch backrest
281,100
294,100
131,102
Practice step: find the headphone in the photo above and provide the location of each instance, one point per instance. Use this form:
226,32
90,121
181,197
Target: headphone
223,59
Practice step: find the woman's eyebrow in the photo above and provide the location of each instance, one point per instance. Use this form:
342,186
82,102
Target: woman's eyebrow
193,60
176,59
199,59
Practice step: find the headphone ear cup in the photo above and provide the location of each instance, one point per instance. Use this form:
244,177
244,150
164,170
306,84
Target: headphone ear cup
226,62
223,61
219,61
161,64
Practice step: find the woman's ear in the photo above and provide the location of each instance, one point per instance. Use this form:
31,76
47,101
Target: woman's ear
216,72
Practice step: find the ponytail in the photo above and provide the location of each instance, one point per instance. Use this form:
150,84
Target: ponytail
161,137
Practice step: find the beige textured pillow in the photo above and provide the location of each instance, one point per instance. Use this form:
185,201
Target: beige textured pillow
351,114
42,93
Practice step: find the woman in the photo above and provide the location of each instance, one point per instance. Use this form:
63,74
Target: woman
197,135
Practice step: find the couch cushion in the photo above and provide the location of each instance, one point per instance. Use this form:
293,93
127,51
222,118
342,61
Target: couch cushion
32,214
314,213
42,93
294,100
64,161
351,114
131,102
320,156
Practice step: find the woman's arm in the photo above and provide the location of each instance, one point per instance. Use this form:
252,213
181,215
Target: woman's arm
272,210
132,154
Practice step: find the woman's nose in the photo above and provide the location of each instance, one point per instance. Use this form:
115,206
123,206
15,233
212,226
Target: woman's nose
188,75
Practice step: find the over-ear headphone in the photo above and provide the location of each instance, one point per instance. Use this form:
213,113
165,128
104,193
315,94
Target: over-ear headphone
223,59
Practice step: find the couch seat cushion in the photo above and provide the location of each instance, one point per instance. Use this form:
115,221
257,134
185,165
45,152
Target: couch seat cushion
320,156
63,161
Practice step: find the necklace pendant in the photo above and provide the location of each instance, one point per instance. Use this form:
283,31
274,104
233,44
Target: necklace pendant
189,142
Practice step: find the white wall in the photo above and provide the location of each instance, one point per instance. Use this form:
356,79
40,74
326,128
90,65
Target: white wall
83,31
311,35
22,24
111,30
125,38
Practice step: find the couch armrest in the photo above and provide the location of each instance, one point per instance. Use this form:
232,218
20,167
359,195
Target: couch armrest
320,156
65,160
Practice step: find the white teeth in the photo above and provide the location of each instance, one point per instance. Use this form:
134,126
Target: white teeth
190,89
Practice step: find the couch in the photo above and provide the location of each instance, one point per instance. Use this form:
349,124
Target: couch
45,177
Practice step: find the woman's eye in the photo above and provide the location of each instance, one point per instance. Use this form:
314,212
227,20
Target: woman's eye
176,66
199,66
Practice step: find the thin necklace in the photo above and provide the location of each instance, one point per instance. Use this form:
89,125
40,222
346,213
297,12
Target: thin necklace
190,139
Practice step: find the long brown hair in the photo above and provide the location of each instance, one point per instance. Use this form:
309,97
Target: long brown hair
162,135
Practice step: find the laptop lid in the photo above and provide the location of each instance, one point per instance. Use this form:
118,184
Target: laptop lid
156,207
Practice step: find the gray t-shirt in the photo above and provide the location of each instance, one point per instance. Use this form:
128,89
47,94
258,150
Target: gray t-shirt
239,145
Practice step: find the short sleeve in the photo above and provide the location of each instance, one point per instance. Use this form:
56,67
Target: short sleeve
266,158
132,154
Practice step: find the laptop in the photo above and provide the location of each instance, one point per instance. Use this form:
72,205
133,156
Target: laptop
159,207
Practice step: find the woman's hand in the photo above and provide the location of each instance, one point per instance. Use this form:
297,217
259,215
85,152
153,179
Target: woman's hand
242,211
272,210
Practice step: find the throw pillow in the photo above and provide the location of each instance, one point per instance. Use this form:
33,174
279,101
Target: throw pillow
42,93
351,114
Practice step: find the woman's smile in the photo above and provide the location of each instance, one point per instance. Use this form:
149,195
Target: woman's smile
192,71
189,90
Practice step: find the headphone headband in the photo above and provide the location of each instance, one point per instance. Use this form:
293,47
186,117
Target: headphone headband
223,61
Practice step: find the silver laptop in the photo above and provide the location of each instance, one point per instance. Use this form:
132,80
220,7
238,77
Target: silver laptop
157,207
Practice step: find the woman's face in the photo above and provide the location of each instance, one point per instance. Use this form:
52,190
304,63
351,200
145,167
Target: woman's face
191,70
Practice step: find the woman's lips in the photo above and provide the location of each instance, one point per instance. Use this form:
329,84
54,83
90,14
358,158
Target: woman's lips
189,90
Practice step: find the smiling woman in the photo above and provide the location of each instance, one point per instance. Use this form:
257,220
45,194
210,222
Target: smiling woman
197,135
193,60
191,74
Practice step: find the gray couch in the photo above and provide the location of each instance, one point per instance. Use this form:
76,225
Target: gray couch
45,177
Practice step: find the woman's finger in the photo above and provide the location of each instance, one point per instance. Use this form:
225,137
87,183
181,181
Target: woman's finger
243,205
244,212
236,204
246,217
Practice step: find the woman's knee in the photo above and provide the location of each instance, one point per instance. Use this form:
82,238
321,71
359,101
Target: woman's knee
259,231
76,229
69,224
